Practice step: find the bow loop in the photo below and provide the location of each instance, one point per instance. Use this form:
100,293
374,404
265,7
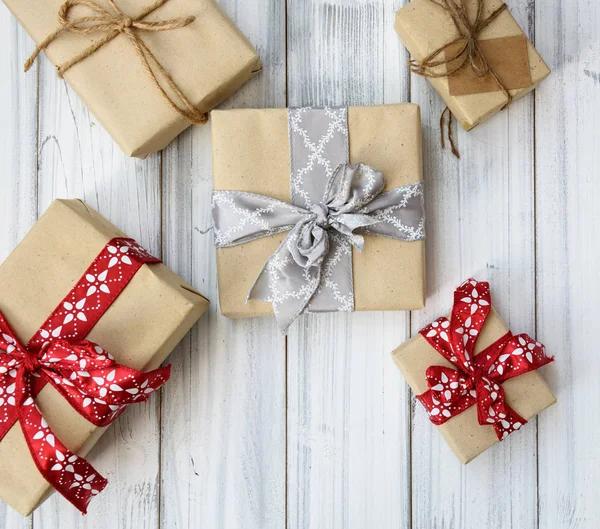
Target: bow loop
446,384
93,383
514,356
352,187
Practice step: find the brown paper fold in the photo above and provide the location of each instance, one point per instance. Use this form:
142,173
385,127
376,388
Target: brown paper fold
251,153
527,394
208,60
142,326
424,27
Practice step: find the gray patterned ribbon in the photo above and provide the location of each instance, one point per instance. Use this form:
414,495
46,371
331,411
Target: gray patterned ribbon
333,203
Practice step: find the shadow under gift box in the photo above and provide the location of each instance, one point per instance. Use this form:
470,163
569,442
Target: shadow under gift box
141,327
424,27
208,60
527,394
251,152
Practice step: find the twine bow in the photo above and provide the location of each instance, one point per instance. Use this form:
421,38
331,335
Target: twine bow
468,53
476,379
114,22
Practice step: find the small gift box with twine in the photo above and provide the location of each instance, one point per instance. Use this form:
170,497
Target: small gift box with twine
474,54
146,69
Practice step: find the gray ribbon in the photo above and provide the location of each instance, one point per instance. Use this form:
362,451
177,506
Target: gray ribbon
333,204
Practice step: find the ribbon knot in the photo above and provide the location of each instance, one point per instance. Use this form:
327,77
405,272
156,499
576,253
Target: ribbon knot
321,212
117,23
31,362
476,379
126,22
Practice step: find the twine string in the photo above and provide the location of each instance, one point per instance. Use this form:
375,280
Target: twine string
468,53
114,22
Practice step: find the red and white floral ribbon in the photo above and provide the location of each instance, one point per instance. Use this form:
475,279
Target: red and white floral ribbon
81,371
477,379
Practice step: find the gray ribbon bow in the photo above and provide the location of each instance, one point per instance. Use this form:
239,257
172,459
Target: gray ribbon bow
312,269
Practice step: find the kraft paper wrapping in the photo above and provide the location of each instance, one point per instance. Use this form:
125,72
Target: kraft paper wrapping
208,60
424,27
527,394
251,153
143,325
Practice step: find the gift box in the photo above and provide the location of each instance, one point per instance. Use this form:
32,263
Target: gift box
207,58
273,153
72,251
477,381
500,67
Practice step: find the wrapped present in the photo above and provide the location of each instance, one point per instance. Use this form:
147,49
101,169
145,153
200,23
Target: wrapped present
477,381
318,210
146,70
473,52
86,318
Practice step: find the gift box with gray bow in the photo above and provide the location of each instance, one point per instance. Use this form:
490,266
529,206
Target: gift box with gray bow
318,210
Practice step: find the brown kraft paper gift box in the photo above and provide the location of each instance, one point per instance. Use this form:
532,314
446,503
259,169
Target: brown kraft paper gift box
251,153
527,394
208,60
142,326
424,27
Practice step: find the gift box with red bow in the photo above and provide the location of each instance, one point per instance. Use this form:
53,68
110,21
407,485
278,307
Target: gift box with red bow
86,318
477,381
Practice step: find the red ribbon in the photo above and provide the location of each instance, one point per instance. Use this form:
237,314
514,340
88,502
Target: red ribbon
81,371
476,379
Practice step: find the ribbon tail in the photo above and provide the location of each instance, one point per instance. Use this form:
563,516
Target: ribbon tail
509,424
336,285
69,474
285,284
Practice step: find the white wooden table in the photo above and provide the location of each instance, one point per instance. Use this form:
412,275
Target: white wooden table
319,430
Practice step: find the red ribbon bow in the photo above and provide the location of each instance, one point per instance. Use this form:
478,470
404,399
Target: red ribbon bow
477,379
81,371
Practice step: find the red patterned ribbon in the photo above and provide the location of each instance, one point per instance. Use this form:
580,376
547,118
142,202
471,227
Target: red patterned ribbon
81,371
476,379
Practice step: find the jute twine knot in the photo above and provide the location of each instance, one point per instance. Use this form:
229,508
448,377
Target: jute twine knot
115,23
468,53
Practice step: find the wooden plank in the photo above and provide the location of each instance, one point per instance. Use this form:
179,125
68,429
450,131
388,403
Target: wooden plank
567,194
77,158
18,145
348,407
223,420
481,225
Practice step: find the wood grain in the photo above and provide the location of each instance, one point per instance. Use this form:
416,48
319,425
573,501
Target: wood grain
223,421
568,220
320,430
480,225
18,146
348,414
